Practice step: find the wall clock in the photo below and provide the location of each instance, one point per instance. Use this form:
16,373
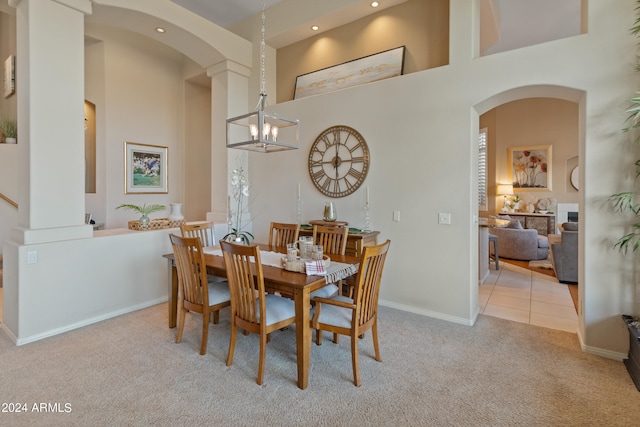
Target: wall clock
338,161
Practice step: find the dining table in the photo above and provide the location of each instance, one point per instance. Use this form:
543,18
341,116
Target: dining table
299,285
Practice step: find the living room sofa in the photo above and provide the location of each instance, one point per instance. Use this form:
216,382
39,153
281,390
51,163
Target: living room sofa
564,253
520,243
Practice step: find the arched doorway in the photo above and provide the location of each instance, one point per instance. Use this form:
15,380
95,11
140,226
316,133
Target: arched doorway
531,116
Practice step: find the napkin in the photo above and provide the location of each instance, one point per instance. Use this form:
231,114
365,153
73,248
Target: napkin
315,268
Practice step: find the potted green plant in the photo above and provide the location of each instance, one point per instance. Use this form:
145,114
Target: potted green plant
144,210
10,130
625,202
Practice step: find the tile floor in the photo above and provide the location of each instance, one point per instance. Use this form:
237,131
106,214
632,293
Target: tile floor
515,293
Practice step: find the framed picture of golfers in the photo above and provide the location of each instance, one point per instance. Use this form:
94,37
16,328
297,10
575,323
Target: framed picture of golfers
145,169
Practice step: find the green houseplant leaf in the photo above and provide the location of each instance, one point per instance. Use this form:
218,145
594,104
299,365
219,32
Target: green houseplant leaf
144,209
625,202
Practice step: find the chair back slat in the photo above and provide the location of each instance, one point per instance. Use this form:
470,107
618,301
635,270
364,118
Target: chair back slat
191,269
201,230
280,233
367,287
247,289
332,239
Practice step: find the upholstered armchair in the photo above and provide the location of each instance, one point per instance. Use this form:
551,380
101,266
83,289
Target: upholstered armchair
521,244
564,253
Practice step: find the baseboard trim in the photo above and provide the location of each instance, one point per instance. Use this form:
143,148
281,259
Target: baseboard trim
429,313
33,338
596,351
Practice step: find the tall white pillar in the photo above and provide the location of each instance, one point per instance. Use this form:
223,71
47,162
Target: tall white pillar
50,91
229,98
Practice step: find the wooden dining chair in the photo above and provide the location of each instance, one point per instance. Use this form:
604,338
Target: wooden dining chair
197,293
333,241
280,233
251,308
353,317
204,232
201,230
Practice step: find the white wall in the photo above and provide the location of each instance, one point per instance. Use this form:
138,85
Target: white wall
137,86
9,187
421,129
116,272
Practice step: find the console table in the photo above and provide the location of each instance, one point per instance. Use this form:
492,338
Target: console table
355,241
544,223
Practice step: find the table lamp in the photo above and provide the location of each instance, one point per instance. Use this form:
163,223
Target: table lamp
504,190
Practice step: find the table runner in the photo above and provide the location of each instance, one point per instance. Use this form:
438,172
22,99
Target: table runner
336,270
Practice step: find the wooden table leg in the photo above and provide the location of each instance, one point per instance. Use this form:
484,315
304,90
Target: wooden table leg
173,294
303,336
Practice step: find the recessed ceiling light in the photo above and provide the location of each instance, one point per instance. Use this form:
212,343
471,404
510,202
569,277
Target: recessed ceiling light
375,4
315,27
160,29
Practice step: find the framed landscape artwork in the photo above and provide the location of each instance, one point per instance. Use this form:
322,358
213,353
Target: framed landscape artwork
369,69
145,169
530,167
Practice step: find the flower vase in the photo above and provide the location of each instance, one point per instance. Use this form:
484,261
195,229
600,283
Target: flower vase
176,212
144,222
329,212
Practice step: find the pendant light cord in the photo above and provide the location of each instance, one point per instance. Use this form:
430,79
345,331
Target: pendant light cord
263,92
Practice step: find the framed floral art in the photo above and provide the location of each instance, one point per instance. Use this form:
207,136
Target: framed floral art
530,168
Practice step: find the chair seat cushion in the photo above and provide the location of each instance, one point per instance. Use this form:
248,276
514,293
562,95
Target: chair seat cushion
218,293
325,292
211,278
278,308
336,316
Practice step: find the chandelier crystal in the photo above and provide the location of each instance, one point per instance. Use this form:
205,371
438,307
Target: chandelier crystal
260,130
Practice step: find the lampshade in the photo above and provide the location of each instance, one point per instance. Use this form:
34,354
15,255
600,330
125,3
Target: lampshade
259,130
504,189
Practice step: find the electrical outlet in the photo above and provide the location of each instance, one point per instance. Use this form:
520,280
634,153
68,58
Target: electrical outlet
32,257
396,216
444,218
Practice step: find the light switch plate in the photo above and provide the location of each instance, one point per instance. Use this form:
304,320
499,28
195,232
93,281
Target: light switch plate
444,218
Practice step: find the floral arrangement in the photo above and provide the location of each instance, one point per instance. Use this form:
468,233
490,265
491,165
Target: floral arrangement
527,166
240,190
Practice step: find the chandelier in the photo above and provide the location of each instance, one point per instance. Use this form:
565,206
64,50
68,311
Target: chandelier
260,130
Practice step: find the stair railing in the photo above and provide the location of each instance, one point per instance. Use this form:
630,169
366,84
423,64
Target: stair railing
8,200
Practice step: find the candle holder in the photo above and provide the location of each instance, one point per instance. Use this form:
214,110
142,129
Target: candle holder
367,224
299,210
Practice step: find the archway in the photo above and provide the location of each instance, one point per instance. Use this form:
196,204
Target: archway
541,114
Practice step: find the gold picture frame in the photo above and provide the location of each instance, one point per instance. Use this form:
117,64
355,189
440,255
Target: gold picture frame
145,169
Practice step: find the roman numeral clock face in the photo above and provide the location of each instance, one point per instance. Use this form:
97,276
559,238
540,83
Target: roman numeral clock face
338,161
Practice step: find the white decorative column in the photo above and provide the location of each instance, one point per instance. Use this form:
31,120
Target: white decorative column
50,91
229,98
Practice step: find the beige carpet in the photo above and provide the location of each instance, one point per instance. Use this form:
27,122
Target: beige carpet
128,371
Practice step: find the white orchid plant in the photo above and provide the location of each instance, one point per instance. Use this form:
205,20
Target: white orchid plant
240,186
